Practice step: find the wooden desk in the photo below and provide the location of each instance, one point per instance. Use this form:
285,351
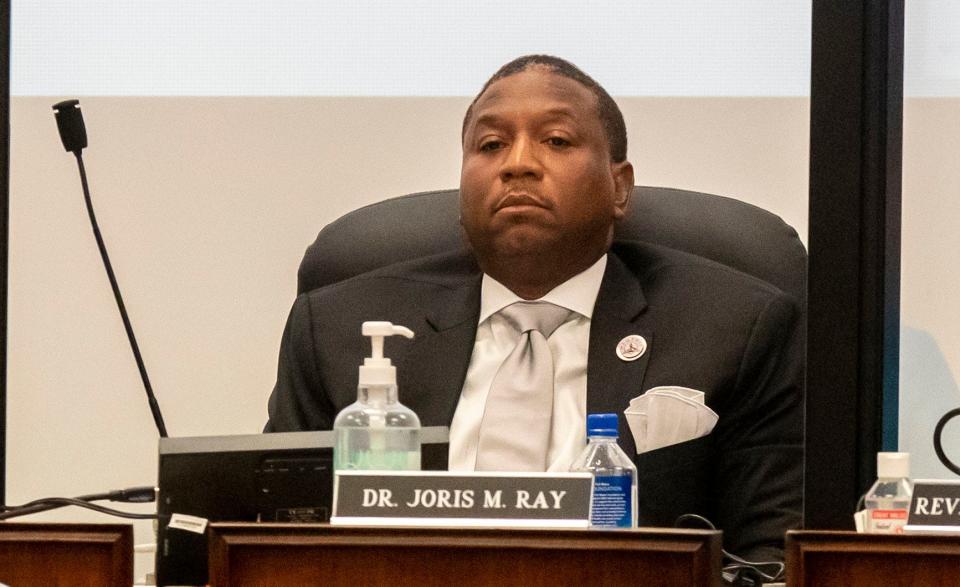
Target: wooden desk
94,555
825,559
308,554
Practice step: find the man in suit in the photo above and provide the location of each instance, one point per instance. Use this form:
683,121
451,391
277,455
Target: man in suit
543,180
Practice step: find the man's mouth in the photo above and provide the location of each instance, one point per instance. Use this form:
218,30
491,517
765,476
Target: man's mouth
519,200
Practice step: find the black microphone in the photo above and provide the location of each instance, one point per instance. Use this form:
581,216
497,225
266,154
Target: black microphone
73,133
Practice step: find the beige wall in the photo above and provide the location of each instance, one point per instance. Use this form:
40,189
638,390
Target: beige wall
207,204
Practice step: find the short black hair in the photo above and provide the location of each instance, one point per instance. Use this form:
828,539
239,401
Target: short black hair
610,116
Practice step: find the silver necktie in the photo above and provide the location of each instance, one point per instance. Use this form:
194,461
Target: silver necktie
515,430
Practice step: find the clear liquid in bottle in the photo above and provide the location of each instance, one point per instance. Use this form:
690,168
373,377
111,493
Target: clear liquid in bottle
614,501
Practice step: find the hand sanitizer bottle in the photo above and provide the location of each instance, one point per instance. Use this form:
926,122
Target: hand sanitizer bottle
888,501
614,502
377,432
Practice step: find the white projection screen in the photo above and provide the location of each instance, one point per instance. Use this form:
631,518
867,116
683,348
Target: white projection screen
224,135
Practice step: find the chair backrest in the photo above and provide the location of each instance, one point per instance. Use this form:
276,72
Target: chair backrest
725,230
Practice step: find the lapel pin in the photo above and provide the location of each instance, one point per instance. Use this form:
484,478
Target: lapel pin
631,347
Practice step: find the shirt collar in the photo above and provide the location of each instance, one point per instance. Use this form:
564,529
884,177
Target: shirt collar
579,293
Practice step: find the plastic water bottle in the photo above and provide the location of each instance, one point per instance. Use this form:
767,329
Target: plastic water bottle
377,432
614,503
888,501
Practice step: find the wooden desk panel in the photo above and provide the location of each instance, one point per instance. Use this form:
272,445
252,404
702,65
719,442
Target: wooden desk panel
288,554
826,559
94,555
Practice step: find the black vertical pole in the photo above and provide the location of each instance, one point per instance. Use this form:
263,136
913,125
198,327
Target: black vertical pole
856,118
4,228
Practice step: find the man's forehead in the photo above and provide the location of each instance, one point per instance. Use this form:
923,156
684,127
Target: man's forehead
537,94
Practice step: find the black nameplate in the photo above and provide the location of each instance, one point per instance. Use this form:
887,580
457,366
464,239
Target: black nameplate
404,498
935,506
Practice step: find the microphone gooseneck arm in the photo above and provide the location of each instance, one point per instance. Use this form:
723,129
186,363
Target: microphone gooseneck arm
151,398
73,134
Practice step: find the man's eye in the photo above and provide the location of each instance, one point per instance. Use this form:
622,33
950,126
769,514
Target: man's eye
490,145
558,142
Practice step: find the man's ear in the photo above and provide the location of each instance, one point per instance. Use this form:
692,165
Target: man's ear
623,186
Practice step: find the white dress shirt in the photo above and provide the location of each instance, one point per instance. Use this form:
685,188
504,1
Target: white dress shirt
496,339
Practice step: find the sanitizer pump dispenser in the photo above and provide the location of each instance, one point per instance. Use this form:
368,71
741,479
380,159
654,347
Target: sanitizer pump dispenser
377,432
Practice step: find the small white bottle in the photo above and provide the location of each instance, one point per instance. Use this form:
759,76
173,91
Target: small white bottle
377,432
888,501
614,503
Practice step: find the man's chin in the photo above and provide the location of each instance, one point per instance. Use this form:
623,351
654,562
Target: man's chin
525,241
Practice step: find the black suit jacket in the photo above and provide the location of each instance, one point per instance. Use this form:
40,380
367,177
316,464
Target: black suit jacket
708,327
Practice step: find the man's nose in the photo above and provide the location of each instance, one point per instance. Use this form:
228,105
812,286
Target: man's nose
521,161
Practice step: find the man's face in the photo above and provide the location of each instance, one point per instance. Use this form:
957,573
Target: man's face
537,174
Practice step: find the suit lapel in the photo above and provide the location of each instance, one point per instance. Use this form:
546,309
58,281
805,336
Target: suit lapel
611,381
433,371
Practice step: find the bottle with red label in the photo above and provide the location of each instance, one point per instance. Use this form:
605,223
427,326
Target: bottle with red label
888,500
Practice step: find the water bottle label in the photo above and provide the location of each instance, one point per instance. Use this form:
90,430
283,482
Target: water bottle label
887,521
612,502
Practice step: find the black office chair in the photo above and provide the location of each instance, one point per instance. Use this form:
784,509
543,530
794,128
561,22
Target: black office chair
725,230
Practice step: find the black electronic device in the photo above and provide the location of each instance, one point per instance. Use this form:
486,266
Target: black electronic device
278,477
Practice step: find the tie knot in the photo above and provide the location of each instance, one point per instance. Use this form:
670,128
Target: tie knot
543,317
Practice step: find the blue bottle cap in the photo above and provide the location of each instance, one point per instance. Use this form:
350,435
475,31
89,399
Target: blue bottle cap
602,425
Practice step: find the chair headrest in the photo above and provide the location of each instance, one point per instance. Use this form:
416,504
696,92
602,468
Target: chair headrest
722,229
